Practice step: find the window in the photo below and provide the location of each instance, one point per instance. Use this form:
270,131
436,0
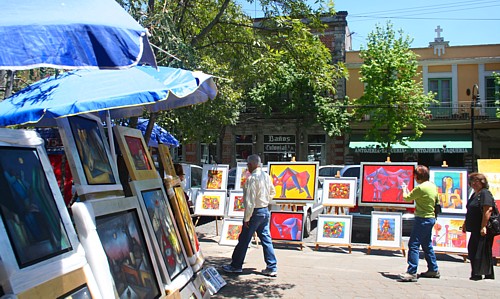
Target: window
243,147
490,98
442,90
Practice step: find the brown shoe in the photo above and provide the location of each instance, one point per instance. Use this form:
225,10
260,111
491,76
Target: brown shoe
430,274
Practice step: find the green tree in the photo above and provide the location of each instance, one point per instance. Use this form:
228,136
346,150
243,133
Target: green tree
393,99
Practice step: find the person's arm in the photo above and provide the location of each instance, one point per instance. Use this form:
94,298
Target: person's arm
249,194
486,216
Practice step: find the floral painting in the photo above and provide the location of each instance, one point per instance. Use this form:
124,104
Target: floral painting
339,192
334,229
236,204
386,229
210,203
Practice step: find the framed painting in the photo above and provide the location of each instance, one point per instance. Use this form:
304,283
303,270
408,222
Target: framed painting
120,252
287,226
93,168
447,235
339,192
491,170
37,238
163,232
334,229
452,188
236,207
214,177
213,279
210,203
381,183
295,182
189,291
135,153
242,175
166,160
201,286
386,229
186,227
231,229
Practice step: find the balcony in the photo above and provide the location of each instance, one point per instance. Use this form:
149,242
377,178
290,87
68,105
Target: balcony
462,113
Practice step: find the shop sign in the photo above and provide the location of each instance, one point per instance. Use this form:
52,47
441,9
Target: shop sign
280,139
412,150
279,148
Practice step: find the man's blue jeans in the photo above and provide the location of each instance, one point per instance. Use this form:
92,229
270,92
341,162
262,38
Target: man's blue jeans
259,222
421,236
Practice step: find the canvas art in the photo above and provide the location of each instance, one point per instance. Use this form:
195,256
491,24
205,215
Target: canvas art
92,150
242,175
447,235
82,292
287,226
386,229
29,212
491,170
200,284
295,182
214,177
382,183
452,188
339,192
334,229
124,243
236,206
166,160
164,231
231,229
210,203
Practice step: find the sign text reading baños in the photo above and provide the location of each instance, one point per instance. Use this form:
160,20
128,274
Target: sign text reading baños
281,139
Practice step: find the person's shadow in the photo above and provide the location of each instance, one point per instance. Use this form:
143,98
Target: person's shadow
390,275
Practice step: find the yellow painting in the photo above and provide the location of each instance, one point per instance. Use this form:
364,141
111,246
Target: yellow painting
491,169
294,181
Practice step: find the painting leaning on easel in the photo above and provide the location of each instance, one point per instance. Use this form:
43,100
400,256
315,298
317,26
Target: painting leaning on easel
447,235
386,229
339,192
334,229
452,188
295,182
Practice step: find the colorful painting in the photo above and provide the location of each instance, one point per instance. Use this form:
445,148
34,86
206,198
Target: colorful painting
166,160
210,203
334,229
183,218
452,188
242,175
382,184
339,192
91,150
386,229
447,235
287,226
214,177
28,208
124,243
138,152
165,232
236,204
295,182
231,229
491,169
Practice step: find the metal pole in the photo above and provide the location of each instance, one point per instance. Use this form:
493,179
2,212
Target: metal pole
472,108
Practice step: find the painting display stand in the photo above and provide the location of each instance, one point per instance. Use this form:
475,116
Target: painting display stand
402,249
337,210
216,223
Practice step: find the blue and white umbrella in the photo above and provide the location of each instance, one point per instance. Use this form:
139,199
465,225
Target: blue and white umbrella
70,34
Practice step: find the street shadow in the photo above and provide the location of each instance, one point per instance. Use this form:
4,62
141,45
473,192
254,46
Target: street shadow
390,276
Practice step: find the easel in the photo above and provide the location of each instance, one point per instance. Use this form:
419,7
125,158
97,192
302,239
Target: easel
216,223
337,210
293,208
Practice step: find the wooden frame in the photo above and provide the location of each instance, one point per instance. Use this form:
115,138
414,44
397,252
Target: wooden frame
287,226
92,165
210,203
165,237
386,230
447,235
339,192
38,241
119,251
166,160
452,188
214,176
334,229
295,182
381,183
231,229
242,175
236,205
135,153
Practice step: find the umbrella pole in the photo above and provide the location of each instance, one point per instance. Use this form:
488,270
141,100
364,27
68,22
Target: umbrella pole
110,136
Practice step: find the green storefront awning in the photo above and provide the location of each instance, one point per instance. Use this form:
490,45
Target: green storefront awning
423,147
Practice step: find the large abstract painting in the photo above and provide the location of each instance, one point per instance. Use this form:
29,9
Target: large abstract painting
334,229
491,169
447,235
386,229
287,226
295,182
339,192
382,184
452,188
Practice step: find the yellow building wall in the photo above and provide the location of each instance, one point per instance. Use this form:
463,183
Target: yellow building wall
439,68
492,67
354,87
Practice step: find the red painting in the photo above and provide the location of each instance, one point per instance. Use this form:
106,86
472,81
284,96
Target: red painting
339,190
210,202
496,241
286,226
139,154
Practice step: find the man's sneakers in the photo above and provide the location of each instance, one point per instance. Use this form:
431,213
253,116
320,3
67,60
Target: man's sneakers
231,269
269,272
407,277
430,274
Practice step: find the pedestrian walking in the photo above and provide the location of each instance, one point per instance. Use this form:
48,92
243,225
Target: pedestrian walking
425,196
257,193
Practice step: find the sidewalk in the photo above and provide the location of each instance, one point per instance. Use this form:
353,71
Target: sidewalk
332,272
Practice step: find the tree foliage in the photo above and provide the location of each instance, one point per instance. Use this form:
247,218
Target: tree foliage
393,99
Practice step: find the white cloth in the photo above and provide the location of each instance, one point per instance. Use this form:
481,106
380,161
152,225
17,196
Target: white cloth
257,192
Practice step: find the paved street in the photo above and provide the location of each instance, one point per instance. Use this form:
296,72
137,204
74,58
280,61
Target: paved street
332,272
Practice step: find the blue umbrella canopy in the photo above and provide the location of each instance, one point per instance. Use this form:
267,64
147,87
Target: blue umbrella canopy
123,94
158,135
70,34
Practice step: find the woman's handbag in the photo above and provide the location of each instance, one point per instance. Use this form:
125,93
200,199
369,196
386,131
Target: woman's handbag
437,209
493,226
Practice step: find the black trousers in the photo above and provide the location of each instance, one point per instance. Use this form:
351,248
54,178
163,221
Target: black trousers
480,254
